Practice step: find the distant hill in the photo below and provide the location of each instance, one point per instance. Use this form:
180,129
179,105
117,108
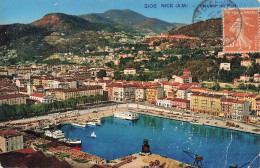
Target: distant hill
206,29
131,20
61,22
59,32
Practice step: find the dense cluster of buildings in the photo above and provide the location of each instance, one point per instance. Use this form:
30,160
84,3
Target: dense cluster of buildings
31,83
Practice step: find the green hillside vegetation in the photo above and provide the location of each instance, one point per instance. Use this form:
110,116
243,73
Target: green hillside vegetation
206,29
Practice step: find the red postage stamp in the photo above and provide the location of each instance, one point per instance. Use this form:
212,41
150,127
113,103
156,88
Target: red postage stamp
241,30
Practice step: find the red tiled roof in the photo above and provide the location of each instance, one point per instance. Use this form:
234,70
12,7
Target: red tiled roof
199,88
225,91
228,100
180,100
12,96
192,83
129,69
185,77
239,95
184,87
76,89
38,95
206,95
9,133
171,83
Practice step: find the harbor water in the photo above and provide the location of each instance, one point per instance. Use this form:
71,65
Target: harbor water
219,147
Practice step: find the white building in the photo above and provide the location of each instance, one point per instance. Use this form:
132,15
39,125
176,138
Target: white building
165,102
41,98
182,92
245,78
225,66
129,71
246,63
183,79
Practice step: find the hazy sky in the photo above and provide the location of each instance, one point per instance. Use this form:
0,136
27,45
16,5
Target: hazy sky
27,11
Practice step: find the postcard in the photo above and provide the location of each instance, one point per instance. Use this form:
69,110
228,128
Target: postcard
130,83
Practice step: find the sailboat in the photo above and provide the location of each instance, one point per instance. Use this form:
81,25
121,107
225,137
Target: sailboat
93,135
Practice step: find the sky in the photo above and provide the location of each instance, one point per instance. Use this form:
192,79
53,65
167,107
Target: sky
27,11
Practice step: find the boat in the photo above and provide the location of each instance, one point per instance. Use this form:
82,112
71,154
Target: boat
94,121
126,115
93,135
57,134
79,124
196,123
70,142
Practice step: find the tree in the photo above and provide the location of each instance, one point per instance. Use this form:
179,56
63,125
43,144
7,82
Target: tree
102,73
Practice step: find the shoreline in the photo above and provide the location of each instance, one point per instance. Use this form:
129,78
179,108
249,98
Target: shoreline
201,124
99,112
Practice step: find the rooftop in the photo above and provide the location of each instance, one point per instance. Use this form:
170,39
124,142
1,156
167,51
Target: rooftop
9,133
12,96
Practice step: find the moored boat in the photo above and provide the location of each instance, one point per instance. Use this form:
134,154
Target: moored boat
79,124
70,142
127,115
55,135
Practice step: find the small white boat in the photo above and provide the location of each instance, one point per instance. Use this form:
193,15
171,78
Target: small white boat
79,124
93,135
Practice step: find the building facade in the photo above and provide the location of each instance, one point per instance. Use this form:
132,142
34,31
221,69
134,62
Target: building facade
240,109
206,103
10,140
13,99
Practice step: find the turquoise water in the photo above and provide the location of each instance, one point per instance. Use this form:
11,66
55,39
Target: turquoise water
117,138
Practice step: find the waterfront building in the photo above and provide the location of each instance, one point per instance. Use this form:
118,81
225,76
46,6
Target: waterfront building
206,103
13,99
165,102
240,109
251,98
10,140
183,104
65,94
257,106
153,93
140,93
226,107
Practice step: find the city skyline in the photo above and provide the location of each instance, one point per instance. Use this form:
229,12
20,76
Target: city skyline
27,11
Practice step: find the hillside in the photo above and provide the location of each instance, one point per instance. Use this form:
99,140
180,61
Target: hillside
206,29
12,32
61,22
154,25
130,20
60,33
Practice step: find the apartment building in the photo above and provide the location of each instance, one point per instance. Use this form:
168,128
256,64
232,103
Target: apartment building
13,99
206,103
10,140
